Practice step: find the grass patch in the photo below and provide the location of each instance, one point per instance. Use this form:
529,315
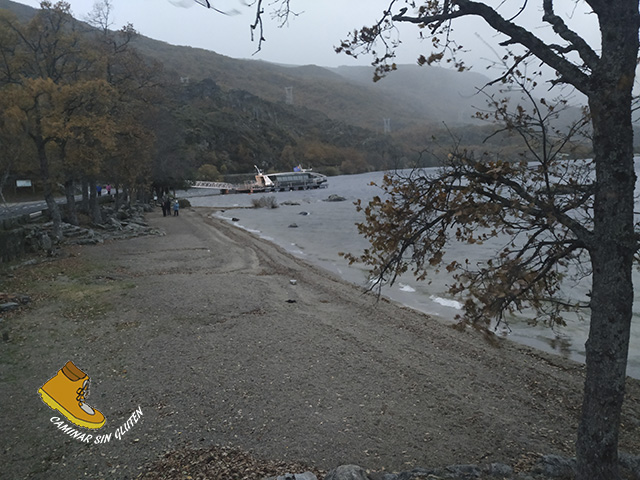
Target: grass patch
79,287
39,277
85,309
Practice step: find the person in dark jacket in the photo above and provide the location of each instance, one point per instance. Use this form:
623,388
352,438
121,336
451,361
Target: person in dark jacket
163,204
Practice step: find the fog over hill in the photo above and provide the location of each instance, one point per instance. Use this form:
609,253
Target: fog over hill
430,93
410,96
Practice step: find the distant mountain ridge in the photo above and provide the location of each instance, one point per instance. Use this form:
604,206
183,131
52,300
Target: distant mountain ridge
410,96
23,12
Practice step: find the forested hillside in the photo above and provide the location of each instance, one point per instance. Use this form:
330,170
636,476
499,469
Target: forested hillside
197,114
233,130
410,96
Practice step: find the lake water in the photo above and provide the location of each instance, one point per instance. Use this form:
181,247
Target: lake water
323,229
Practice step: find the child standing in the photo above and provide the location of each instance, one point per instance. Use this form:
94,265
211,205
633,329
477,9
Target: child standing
176,208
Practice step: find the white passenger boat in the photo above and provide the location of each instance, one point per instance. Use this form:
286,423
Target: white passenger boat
298,179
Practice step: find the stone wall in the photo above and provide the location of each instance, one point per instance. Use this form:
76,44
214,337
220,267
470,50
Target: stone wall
33,234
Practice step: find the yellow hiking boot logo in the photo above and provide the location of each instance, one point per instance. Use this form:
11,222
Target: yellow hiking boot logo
66,393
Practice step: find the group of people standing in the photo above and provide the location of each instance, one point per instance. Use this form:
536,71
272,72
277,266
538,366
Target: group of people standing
167,206
99,189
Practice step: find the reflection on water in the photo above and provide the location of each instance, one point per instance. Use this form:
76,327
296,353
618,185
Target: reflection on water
323,229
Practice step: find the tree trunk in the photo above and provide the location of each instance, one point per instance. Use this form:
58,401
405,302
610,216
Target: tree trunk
72,213
85,195
3,182
94,206
611,313
54,209
612,246
118,199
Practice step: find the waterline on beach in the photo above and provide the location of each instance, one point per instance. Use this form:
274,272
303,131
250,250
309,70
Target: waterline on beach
323,229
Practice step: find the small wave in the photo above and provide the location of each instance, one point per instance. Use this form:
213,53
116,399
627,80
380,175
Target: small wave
253,230
406,288
239,225
446,302
297,250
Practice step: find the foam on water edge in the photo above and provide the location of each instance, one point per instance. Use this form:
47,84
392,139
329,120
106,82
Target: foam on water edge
445,302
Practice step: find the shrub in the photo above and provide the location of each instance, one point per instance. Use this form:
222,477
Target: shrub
264,202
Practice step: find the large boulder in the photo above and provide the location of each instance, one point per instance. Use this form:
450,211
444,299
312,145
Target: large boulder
347,472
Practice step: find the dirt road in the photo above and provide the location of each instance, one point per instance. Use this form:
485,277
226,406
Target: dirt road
203,332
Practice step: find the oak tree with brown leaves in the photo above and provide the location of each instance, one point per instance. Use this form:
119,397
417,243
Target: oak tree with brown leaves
562,211
77,100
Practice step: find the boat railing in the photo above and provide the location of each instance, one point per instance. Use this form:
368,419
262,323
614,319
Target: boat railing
218,185
263,183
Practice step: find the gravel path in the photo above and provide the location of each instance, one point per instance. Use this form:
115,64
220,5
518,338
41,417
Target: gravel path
203,331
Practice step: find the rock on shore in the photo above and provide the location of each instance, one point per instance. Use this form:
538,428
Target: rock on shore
546,468
126,222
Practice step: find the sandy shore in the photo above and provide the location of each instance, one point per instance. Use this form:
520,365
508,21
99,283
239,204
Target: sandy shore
203,332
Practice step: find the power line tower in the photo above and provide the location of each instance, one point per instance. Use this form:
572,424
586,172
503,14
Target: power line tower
288,95
387,125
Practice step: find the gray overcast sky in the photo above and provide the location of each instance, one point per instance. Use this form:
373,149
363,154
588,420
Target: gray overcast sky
310,37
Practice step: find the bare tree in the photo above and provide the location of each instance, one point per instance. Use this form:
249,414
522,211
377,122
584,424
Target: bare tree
280,10
100,16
